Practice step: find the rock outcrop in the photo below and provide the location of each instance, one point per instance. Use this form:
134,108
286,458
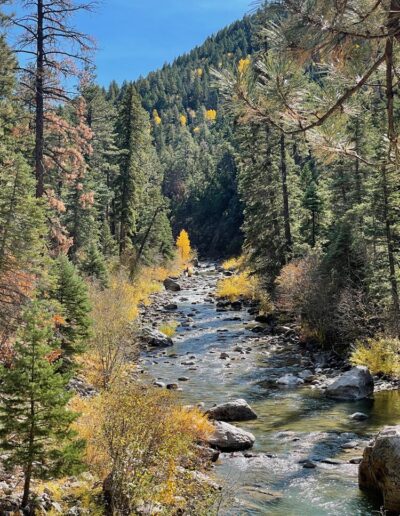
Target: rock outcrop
355,384
238,410
379,470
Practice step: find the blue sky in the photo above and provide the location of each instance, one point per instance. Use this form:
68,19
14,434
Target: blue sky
135,37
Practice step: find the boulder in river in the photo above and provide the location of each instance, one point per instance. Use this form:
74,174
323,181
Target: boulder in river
289,380
229,438
355,384
379,470
171,307
238,410
172,285
156,339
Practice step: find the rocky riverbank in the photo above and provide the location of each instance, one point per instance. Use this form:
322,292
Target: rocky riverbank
225,351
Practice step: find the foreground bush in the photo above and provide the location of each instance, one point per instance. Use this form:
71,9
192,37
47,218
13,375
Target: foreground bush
137,440
381,355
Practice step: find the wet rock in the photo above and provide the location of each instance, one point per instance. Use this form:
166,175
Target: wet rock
161,385
156,339
350,445
379,470
355,460
171,307
171,285
236,306
229,438
183,379
188,363
358,416
208,454
238,410
172,386
308,464
289,380
307,375
355,384
224,356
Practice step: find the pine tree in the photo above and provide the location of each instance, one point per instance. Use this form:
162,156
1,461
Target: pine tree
134,142
94,266
21,216
35,425
70,291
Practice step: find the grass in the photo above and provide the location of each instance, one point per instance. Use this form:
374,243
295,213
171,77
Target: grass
380,355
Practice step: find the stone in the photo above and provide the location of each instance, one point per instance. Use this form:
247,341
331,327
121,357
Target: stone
264,319
238,410
171,307
161,385
359,416
355,384
229,438
172,285
183,379
156,339
289,380
224,356
236,306
379,470
172,386
307,375
308,464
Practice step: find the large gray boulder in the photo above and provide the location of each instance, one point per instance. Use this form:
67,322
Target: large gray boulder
355,384
229,438
379,470
172,285
155,339
238,410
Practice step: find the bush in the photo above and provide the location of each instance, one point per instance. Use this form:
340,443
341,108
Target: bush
233,264
139,444
240,285
381,355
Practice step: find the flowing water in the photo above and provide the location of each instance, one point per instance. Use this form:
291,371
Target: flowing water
293,425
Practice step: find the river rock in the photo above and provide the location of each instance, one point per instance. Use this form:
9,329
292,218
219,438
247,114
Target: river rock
156,339
238,410
171,285
289,380
379,470
355,384
358,416
171,307
229,438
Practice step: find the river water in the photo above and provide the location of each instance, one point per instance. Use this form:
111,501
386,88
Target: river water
293,425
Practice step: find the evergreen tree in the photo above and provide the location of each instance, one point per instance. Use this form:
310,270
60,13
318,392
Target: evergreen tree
70,291
35,425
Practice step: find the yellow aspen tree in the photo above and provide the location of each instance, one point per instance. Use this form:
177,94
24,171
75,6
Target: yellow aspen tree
183,245
211,115
156,117
243,65
183,120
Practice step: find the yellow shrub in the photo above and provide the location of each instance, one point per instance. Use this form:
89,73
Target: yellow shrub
381,355
183,245
240,285
140,435
233,264
169,329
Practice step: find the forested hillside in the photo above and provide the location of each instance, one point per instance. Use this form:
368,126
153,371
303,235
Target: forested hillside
258,174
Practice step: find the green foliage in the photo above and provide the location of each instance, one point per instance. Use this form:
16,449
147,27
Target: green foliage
70,291
35,425
94,266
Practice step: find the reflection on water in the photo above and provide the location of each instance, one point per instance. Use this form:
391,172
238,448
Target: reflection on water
293,425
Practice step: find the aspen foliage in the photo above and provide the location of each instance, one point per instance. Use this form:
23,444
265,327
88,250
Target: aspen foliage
184,247
183,120
156,117
210,115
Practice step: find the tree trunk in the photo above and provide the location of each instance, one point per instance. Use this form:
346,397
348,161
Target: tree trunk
386,194
39,94
285,196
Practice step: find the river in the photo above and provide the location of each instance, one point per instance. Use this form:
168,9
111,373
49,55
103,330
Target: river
293,425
